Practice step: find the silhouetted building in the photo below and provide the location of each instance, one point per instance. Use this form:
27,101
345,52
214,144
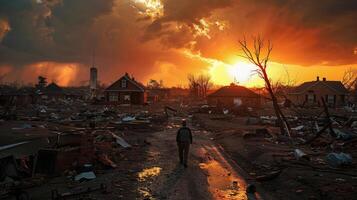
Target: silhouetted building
310,93
234,96
13,96
126,90
93,82
52,91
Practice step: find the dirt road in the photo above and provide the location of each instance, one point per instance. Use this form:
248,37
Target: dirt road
210,174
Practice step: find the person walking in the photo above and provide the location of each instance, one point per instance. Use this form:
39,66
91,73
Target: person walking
184,140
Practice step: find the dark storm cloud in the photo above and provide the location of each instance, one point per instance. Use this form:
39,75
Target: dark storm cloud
191,11
304,32
27,29
186,13
49,30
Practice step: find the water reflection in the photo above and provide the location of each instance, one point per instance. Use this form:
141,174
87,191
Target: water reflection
143,176
224,183
145,193
149,173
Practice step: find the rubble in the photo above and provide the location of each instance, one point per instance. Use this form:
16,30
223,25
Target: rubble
300,155
269,157
338,159
86,173
70,138
84,142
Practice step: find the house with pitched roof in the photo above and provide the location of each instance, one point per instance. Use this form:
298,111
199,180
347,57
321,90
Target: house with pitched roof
234,96
53,91
126,90
310,93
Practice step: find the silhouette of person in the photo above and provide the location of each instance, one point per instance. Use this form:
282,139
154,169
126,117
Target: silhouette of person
184,140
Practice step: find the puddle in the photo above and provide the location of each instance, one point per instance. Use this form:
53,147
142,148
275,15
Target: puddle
223,182
143,176
149,173
145,193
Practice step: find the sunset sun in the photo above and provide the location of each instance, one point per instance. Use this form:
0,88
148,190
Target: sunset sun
241,72
178,99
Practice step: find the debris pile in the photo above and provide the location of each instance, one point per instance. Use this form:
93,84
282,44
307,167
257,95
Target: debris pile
322,145
67,138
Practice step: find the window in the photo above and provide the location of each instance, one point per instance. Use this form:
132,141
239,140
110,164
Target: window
330,99
113,97
310,98
123,83
237,101
126,97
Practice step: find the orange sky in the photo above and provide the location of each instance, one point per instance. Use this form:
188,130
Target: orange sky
168,39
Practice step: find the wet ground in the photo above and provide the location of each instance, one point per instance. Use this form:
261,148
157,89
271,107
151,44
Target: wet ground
210,174
151,170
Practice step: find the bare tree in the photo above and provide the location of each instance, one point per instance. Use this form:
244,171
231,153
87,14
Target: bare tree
349,79
42,82
204,81
256,57
154,84
193,85
282,87
199,85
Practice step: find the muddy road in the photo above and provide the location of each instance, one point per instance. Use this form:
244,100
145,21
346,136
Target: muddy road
210,173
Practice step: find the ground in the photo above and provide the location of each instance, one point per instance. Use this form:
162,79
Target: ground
210,175
223,162
259,155
151,170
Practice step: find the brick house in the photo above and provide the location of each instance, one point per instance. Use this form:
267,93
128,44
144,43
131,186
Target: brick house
234,96
310,93
126,90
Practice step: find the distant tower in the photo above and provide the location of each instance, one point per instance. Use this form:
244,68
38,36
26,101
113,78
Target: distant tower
93,80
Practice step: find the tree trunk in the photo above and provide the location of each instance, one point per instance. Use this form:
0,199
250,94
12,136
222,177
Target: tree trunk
282,122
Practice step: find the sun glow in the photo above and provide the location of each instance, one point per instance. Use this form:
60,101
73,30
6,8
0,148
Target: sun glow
241,72
151,8
223,73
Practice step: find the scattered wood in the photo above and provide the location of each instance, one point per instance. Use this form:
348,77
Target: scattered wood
270,176
328,118
318,133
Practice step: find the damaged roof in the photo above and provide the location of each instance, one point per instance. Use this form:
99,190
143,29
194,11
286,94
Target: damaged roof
234,91
336,86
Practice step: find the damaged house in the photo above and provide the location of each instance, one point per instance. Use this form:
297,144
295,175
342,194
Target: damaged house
52,91
310,93
126,90
22,96
234,96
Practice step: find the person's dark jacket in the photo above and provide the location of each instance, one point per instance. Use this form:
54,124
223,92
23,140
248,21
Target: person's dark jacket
184,135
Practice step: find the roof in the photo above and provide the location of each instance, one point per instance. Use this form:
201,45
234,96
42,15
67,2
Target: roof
234,91
116,86
53,88
336,86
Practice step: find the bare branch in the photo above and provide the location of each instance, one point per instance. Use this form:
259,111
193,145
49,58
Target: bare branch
255,57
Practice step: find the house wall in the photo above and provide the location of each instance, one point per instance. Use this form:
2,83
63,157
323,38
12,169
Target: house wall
130,94
312,97
229,101
129,84
135,98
